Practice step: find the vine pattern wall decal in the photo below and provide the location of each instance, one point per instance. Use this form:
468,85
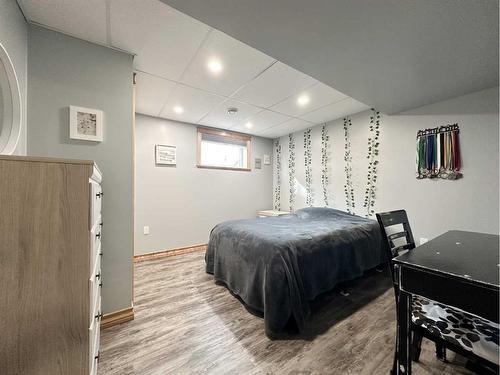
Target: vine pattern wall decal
325,138
308,167
348,187
373,151
291,170
277,188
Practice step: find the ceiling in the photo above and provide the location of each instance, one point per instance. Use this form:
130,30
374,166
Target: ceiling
394,55
190,72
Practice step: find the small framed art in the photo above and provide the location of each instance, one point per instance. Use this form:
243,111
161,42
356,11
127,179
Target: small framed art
85,124
258,163
165,155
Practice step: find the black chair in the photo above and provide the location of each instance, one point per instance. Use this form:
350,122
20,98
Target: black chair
424,326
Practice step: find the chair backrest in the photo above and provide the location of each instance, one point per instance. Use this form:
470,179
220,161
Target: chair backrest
389,219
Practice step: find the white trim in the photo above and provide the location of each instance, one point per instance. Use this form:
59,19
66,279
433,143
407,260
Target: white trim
16,124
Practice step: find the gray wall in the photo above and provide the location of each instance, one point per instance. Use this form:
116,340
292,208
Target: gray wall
14,37
66,71
434,206
182,204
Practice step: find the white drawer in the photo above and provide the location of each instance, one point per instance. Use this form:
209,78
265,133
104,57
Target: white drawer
96,174
95,201
96,352
94,337
95,363
95,289
96,320
95,244
96,309
96,226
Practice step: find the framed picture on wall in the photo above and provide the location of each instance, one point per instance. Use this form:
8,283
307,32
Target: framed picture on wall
85,124
165,155
258,163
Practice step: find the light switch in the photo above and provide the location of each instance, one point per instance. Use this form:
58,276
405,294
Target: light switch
146,229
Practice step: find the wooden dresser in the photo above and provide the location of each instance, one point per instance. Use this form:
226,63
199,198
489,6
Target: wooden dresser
50,265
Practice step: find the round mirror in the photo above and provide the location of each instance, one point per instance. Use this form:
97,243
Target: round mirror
10,105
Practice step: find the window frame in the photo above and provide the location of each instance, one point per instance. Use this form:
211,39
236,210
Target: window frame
225,134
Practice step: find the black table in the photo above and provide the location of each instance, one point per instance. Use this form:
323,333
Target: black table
459,269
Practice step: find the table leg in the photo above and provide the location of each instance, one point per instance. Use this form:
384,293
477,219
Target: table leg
404,334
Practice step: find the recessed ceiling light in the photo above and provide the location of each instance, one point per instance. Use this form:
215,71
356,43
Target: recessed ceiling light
232,111
215,66
178,109
303,100
249,125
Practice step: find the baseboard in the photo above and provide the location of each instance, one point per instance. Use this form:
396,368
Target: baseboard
170,252
117,317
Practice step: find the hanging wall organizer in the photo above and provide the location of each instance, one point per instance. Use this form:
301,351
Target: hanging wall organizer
438,153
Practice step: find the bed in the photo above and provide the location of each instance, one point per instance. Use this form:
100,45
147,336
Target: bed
277,265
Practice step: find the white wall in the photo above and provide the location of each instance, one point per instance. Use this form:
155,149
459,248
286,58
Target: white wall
66,71
182,204
434,206
14,38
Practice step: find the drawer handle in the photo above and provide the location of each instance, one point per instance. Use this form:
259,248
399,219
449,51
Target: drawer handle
98,276
98,235
100,284
99,195
97,357
100,224
100,254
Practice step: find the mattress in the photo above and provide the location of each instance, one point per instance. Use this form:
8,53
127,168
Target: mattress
277,265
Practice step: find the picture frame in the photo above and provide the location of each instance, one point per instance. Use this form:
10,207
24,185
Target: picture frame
165,155
258,163
85,124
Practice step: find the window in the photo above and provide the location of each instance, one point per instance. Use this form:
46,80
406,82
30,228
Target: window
223,150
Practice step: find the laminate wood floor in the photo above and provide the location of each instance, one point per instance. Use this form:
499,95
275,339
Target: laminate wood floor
186,324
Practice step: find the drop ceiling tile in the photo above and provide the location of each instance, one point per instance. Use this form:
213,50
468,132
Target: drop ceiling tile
288,127
318,95
240,64
151,93
164,39
195,103
261,121
345,107
274,85
83,19
219,118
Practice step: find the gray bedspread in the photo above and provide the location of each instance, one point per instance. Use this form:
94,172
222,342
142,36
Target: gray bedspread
277,265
